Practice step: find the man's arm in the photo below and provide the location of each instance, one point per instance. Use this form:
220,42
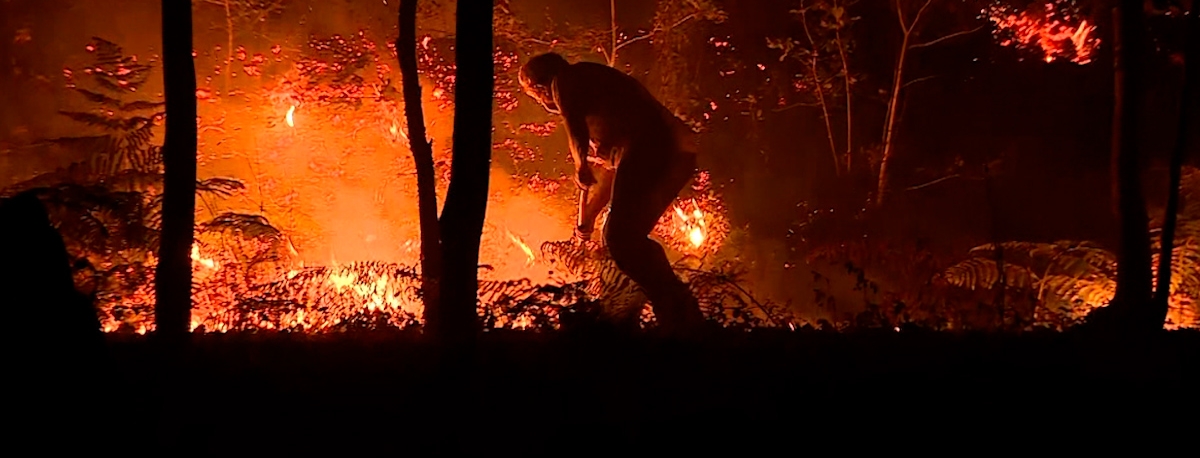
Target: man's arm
579,139
594,201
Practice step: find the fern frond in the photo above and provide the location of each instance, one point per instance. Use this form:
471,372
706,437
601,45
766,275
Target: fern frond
1189,193
95,120
1092,292
982,273
106,51
252,226
142,105
1084,260
133,180
96,97
223,187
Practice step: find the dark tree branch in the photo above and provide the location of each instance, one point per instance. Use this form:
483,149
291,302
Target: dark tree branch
945,38
422,150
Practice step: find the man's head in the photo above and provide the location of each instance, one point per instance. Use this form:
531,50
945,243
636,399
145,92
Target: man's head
537,75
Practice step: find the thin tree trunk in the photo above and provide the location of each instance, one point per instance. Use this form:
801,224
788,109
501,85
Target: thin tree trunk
837,168
173,276
846,77
466,199
422,150
1190,70
1134,289
612,11
889,126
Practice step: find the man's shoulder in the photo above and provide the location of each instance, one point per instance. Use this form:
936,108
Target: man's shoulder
592,70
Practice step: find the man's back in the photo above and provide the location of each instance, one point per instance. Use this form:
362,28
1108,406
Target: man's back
618,108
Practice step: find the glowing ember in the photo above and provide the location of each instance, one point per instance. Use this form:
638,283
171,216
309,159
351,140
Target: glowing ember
1056,30
291,122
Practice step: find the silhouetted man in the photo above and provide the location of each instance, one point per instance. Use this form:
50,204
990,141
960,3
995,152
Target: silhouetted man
55,380
645,145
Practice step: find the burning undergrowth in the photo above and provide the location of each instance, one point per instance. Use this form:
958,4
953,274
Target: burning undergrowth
242,296
253,260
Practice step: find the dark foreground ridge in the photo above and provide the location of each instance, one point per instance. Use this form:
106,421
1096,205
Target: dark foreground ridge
354,394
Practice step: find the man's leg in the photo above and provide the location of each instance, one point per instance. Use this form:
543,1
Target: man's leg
643,189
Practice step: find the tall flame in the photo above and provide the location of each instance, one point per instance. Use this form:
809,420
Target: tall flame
291,121
692,226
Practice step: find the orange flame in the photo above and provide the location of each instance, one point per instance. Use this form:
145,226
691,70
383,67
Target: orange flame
1051,31
521,244
206,262
692,226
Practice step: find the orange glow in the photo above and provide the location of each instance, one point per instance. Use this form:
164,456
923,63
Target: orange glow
1055,31
524,248
206,262
696,225
344,188
691,225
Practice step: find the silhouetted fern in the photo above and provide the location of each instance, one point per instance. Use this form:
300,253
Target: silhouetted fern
1081,276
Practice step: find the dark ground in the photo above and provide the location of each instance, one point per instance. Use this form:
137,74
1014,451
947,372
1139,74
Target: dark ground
373,393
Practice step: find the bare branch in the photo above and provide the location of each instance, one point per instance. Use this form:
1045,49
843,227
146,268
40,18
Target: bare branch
537,41
656,30
947,37
794,105
918,80
931,183
919,13
681,21
634,40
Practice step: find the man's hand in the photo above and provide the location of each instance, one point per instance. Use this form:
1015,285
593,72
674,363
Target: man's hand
583,177
583,233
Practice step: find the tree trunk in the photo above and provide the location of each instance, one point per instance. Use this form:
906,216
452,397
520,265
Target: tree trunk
849,104
889,126
466,198
812,67
1131,307
173,277
422,150
1190,70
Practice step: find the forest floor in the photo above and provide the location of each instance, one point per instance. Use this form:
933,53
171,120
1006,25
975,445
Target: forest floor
530,392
